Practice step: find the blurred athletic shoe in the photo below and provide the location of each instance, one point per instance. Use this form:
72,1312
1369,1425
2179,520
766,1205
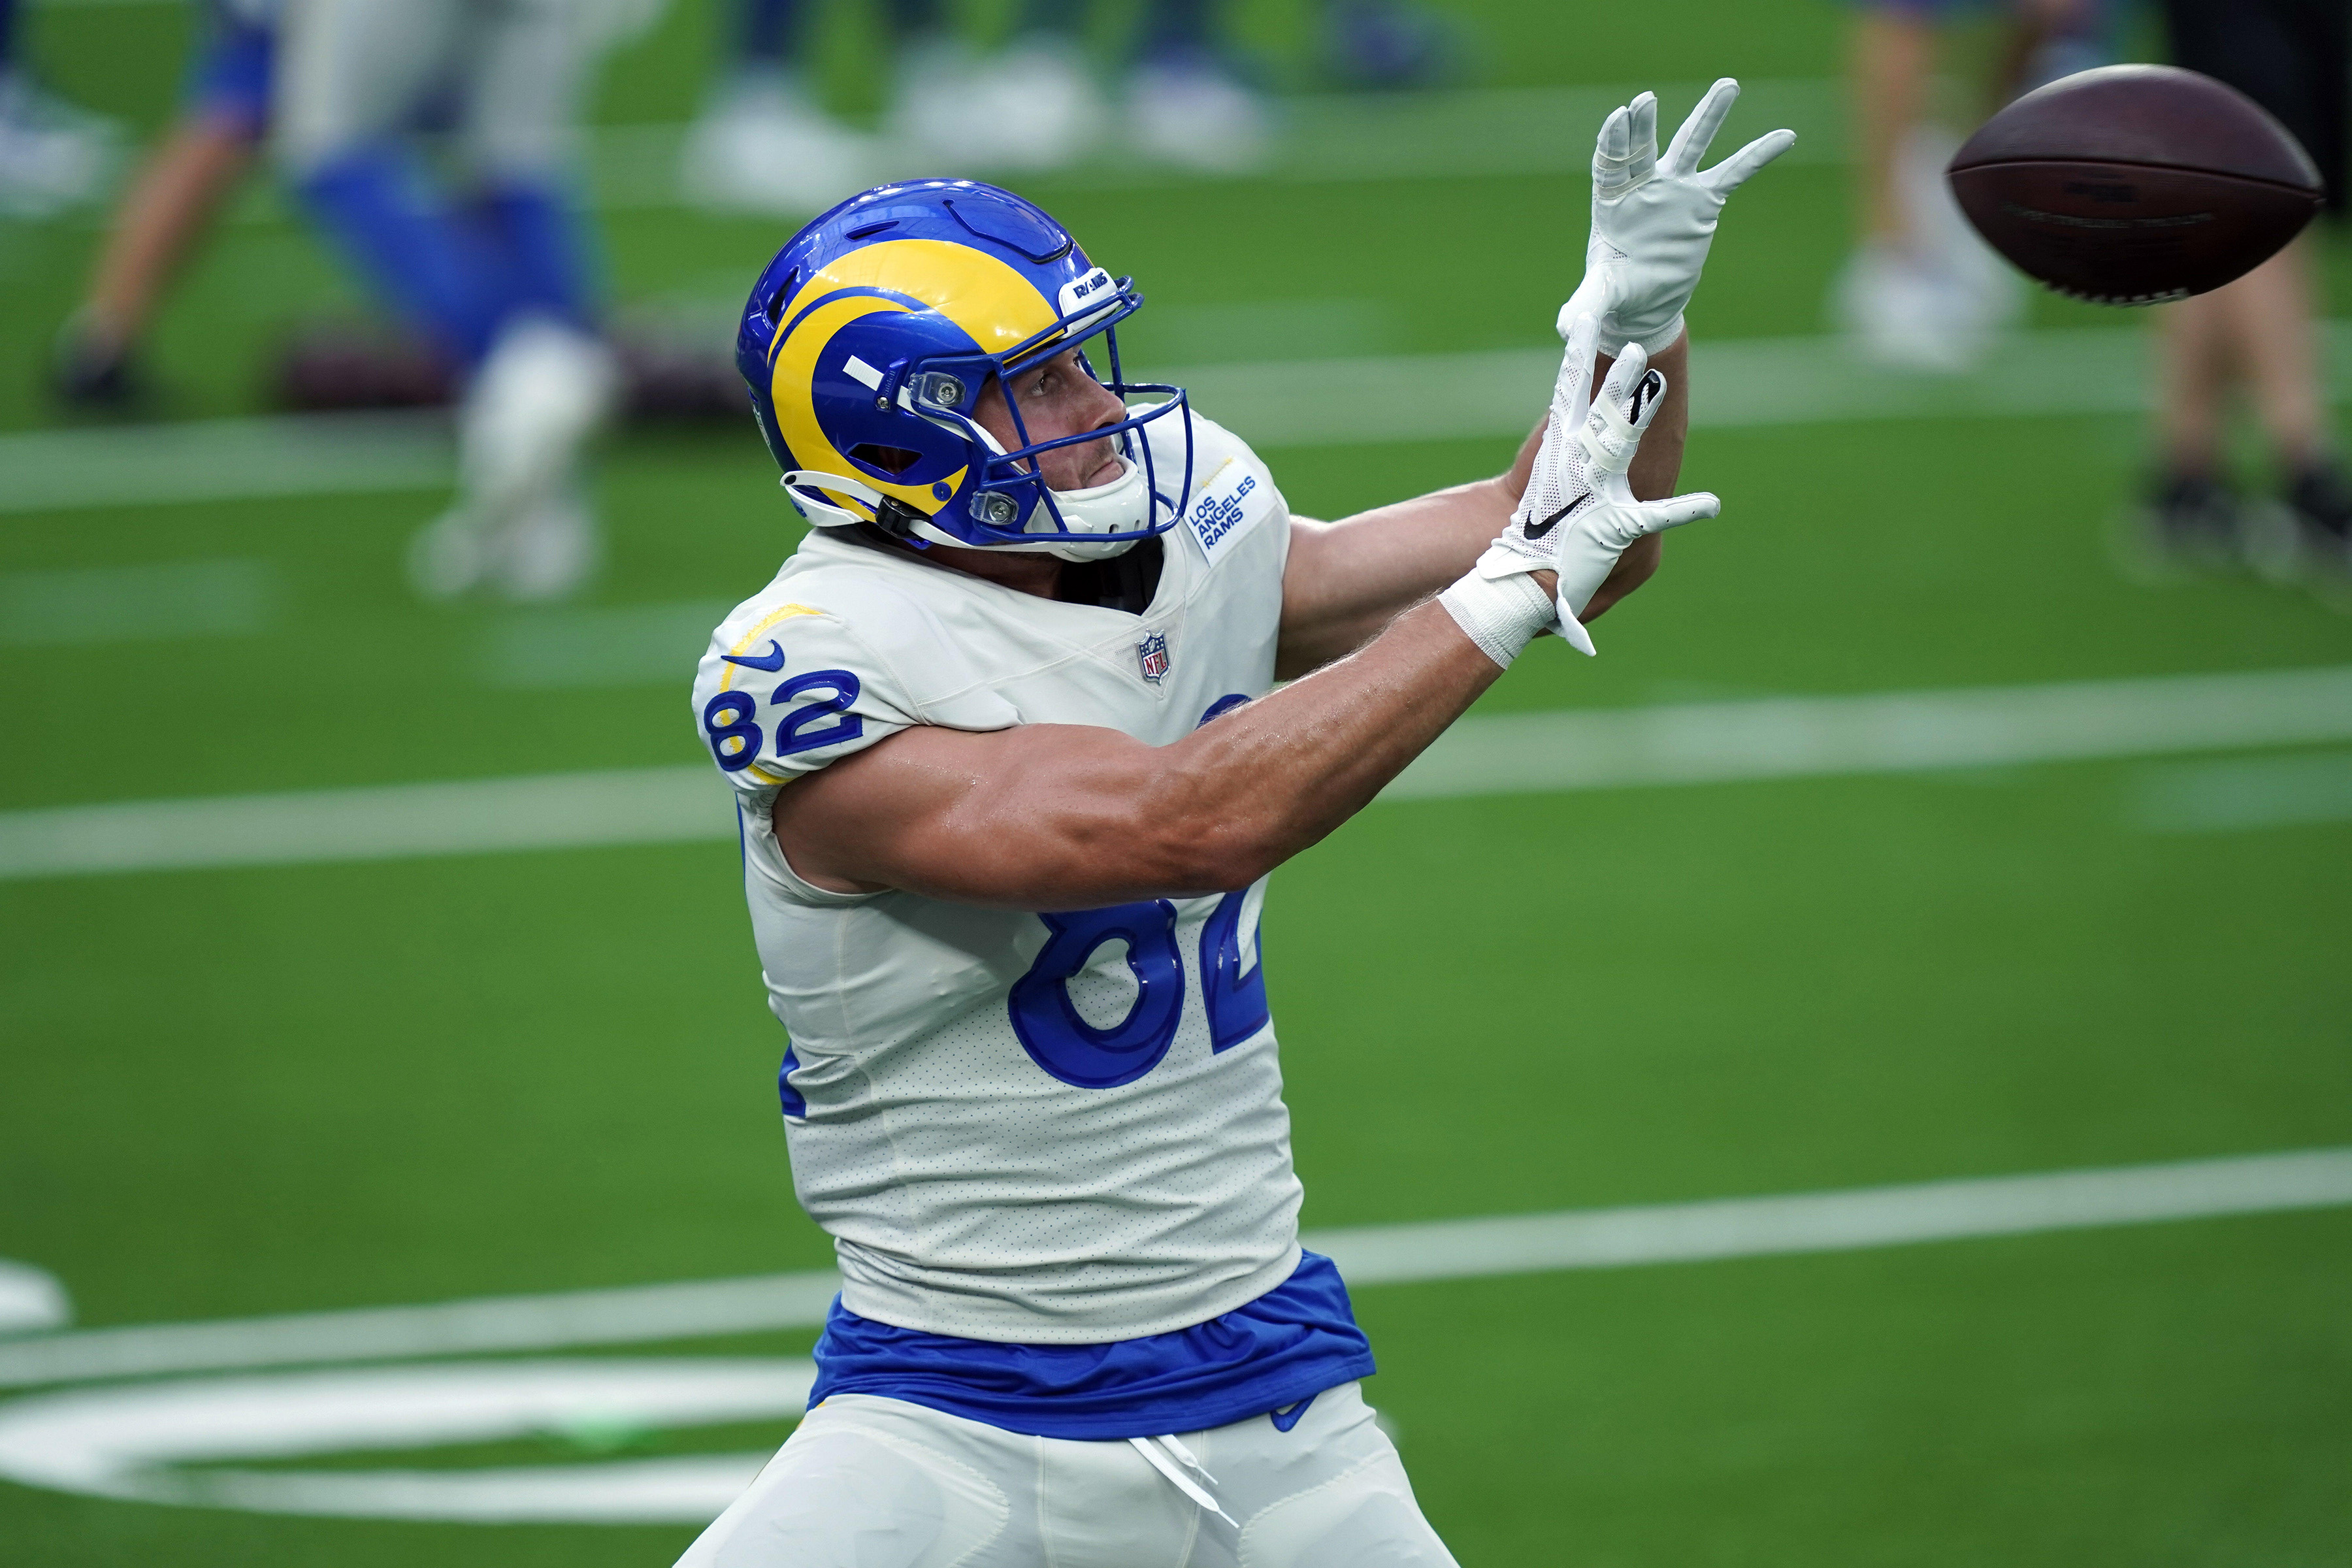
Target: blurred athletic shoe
1036,106
763,145
538,398
1905,313
2319,505
1188,107
91,374
552,551
1939,302
52,155
1033,107
2188,522
934,119
2300,538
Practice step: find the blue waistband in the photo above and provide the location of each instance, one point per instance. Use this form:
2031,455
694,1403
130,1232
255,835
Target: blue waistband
1291,1343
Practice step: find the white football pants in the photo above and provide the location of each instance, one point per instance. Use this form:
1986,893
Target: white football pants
879,1483
349,70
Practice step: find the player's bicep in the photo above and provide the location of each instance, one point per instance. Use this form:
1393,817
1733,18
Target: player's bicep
1324,598
1347,580
1041,817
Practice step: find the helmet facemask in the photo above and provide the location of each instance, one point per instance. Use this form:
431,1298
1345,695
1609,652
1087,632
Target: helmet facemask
1011,507
1107,520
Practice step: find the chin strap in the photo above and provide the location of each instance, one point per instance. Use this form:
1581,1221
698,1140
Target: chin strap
825,514
841,516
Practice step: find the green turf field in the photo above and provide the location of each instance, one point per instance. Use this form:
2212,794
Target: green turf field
252,1091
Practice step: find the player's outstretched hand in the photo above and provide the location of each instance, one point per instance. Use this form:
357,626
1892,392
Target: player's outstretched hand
1579,513
1653,220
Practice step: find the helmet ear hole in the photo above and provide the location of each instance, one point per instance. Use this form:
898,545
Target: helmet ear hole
891,460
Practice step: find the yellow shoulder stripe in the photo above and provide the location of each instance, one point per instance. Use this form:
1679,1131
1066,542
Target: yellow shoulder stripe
744,644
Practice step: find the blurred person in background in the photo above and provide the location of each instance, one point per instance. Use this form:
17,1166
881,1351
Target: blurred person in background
1921,291
483,251
766,143
224,116
2258,334
53,155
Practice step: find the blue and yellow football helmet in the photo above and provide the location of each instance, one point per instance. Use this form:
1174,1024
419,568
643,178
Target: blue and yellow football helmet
868,339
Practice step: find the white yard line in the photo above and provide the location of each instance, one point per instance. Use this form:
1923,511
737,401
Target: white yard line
549,811
1376,400
1689,743
165,599
2267,792
1367,1255
136,1440
223,459
1813,737
633,1315
604,646
1330,138
1839,1222
1735,383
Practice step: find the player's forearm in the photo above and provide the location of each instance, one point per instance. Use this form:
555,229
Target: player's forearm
1655,474
1275,776
1658,465
1348,579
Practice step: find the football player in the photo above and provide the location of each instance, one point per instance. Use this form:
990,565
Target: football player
1921,291
2261,333
1012,773
491,269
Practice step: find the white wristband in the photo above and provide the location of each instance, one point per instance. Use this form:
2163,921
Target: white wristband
1501,615
1659,341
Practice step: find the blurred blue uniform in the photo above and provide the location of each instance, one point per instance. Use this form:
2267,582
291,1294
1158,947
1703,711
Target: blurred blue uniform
357,79
229,78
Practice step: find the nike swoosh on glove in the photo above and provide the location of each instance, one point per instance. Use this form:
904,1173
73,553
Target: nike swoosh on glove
1653,220
1579,513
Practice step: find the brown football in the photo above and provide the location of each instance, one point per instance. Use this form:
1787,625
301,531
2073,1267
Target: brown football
2131,185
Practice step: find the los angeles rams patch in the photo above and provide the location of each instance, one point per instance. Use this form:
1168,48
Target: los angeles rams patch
1228,506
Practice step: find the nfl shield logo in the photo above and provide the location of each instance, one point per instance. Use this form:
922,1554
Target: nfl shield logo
1152,654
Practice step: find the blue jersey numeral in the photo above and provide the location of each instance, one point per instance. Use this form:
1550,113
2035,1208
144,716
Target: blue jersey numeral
1235,1001
794,734
1062,1042
1059,1039
1054,1033
727,724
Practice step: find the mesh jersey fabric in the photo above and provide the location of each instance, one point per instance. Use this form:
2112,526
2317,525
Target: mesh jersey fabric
995,1151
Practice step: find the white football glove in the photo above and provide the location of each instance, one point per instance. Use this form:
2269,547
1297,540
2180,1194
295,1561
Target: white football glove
1579,514
1653,220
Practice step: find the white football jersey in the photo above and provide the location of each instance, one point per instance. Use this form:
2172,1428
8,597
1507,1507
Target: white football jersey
1036,1129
